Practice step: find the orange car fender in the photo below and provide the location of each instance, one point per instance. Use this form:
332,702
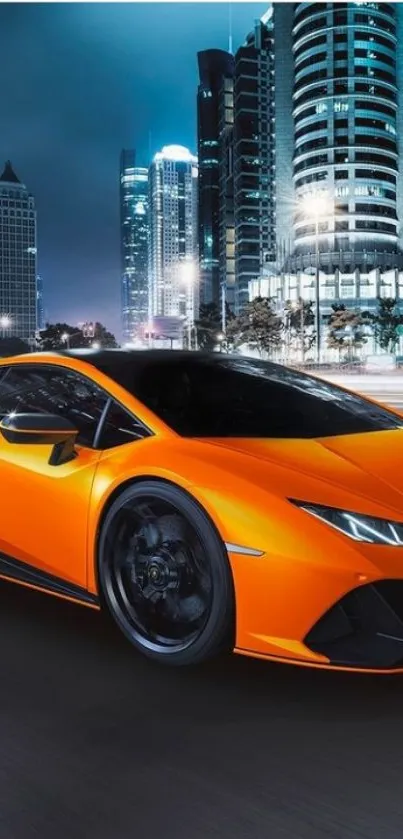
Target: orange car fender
114,474
296,578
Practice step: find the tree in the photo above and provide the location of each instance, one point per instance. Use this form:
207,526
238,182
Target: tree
385,323
13,346
58,336
346,330
300,320
209,326
258,326
103,337
53,337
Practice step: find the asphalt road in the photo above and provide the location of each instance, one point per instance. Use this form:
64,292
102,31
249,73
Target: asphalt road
97,743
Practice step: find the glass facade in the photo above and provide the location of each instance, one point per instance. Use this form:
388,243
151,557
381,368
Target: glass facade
215,68
346,154
18,292
254,159
173,257
134,223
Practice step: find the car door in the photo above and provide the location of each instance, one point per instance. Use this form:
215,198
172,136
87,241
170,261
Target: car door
44,508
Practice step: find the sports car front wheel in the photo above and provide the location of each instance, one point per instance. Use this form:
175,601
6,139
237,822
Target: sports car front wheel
165,576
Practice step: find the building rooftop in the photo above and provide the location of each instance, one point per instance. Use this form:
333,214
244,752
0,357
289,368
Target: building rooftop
9,175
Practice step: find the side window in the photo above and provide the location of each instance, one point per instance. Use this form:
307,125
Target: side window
54,390
119,427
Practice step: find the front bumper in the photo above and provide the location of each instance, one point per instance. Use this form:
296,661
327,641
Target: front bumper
364,629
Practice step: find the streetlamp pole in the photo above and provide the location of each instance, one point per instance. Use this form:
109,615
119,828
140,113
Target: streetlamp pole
317,291
319,206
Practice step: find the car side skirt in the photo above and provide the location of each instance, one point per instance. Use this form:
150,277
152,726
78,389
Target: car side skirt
13,570
319,666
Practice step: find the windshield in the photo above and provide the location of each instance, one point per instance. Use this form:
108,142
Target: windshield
227,397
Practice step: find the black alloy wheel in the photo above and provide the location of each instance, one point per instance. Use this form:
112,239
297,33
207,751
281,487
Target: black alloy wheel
165,576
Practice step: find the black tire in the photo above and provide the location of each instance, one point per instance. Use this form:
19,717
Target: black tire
161,573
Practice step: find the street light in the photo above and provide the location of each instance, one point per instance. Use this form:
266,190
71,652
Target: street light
5,323
220,339
317,205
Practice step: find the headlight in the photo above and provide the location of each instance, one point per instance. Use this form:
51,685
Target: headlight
357,526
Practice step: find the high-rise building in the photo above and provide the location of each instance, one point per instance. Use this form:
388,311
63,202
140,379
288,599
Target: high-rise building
346,159
173,258
134,222
18,302
254,108
40,311
216,70
226,221
254,157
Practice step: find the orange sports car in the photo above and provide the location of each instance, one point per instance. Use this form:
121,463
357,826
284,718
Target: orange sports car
208,502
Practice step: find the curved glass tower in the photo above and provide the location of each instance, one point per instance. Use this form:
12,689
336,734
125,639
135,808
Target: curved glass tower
346,154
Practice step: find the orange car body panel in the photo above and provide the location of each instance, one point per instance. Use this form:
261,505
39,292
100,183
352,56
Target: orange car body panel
305,565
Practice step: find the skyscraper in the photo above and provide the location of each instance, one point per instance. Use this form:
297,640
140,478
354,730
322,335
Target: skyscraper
18,303
226,225
255,149
216,69
173,275
134,244
346,160
254,157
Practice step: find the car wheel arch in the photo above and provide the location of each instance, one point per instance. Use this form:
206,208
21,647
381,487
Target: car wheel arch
137,479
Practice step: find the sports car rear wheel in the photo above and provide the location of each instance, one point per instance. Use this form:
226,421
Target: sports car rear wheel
164,574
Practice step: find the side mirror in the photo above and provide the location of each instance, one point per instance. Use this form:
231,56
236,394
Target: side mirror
42,430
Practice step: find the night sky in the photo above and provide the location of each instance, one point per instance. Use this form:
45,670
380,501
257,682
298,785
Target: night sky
81,81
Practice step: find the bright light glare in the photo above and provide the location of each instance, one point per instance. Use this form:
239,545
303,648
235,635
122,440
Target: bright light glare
188,272
178,154
5,321
316,204
96,345
65,336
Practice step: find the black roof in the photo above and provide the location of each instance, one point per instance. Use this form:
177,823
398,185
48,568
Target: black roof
104,358
9,175
122,363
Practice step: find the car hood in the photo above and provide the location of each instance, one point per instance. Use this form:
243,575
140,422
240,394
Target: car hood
369,465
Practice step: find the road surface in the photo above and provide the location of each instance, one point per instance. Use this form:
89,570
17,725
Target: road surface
96,743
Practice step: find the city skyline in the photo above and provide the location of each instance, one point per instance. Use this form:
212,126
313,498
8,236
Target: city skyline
65,122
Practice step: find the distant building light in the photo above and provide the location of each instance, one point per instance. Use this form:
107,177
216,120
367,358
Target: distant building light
176,154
